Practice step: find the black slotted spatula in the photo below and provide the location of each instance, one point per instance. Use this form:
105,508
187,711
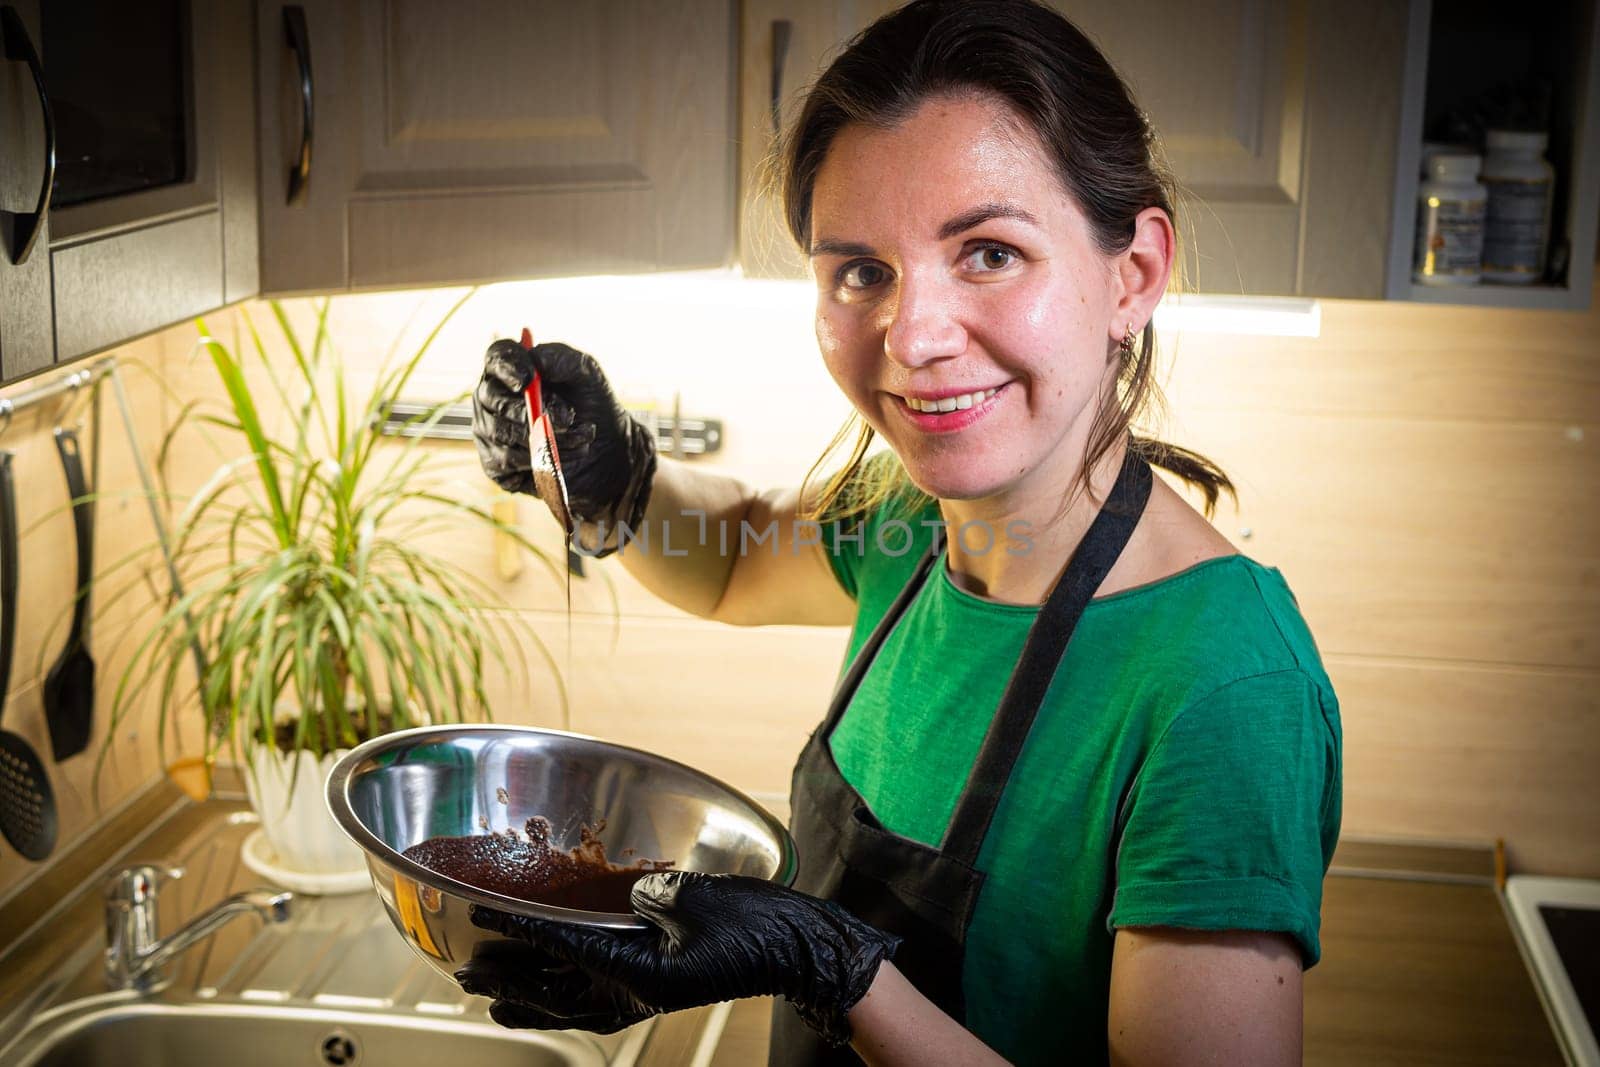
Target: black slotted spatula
69,686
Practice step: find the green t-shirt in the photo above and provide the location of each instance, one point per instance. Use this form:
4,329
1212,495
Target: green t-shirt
1183,771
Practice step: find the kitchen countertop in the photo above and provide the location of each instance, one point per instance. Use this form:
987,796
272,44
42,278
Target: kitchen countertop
1419,962
1419,966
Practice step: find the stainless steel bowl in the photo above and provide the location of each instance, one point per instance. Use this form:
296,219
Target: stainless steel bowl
406,787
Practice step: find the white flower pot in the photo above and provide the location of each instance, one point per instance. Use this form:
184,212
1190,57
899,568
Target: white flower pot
297,823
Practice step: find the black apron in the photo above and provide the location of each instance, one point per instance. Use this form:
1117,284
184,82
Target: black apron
926,895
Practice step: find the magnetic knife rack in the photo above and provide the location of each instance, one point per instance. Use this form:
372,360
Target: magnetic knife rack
680,436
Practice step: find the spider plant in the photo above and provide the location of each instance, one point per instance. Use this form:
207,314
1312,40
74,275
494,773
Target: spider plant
303,582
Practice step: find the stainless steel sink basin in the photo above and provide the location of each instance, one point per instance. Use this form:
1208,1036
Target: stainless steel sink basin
333,985
144,1034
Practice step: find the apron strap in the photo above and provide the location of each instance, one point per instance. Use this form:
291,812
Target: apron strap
1041,655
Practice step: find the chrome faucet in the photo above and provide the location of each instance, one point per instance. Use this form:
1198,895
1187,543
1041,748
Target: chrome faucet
134,956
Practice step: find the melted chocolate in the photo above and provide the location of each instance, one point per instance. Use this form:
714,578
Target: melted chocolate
536,870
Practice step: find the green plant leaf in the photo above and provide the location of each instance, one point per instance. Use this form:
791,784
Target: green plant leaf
244,407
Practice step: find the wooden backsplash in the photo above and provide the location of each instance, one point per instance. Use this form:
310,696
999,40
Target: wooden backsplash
1426,480
46,568
1424,477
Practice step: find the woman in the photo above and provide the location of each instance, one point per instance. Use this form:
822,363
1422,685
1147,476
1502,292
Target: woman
1080,782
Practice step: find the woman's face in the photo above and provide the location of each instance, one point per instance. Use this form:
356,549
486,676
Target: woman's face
953,270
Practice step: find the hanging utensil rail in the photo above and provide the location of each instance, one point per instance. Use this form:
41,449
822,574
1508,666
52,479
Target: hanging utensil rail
83,378
67,383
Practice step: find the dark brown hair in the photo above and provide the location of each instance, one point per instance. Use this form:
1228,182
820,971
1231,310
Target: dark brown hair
1102,147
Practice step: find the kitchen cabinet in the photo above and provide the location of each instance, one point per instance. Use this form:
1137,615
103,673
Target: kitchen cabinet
1294,130
1278,119
435,144
783,46
152,217
26,340
127,264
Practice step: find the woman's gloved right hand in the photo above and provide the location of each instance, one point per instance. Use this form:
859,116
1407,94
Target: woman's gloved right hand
608,459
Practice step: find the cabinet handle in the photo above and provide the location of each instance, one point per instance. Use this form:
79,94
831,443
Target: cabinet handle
294,28
21,228
782,30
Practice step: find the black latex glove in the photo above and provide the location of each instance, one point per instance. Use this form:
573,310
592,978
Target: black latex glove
711,938
607,458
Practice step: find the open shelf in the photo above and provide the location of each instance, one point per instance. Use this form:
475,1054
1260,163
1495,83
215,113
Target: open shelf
1460,54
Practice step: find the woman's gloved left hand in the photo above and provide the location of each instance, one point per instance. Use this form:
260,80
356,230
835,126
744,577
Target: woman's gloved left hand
710,938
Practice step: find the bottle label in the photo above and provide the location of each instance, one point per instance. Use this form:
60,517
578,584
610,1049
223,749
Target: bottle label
1449,237
1516,226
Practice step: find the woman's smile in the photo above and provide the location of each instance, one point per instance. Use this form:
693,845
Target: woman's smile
947,411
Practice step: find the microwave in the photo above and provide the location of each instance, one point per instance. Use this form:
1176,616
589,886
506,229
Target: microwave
150,108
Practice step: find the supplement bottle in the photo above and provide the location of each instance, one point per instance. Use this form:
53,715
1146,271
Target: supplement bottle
1451,206
1516,230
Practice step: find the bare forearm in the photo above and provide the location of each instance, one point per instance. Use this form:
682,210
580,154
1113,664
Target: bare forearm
896,1026
722,551
677,555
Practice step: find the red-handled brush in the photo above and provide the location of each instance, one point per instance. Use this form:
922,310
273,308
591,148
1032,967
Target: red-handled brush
546,458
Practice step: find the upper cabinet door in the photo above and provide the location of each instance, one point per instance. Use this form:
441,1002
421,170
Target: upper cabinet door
1280,121
784,45
410,142
27,343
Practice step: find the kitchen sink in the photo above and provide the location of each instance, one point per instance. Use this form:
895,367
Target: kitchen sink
333,984
145,1034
